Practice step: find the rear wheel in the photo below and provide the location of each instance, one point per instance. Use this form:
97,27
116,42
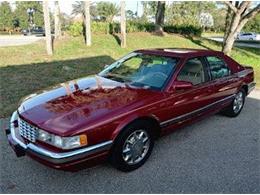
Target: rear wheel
133,146
237,104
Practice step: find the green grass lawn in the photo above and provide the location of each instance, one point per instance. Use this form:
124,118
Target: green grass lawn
26,69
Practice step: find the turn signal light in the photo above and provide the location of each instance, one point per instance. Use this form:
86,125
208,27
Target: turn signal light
83,140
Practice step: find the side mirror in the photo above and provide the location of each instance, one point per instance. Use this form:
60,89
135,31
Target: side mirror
182,85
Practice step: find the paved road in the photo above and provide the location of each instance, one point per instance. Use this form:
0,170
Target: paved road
16,40
216,155
239,44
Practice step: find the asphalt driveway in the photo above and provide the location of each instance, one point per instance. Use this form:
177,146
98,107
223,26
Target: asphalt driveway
239,43
216,155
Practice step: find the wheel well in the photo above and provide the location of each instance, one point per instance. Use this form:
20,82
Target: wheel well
245,87
154,123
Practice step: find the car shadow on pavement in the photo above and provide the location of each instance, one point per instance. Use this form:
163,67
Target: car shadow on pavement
18,81
215,155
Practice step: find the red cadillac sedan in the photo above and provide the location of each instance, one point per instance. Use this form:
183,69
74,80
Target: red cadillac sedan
118,113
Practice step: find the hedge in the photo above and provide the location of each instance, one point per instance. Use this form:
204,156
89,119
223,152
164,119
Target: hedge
189,30
76,29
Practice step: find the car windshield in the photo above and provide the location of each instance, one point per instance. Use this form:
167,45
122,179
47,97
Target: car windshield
141,70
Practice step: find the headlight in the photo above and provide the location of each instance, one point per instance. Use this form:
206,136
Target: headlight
63,142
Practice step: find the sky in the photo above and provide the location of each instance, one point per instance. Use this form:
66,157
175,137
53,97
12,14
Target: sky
66,5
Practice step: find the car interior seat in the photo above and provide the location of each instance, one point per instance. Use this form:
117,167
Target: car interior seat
192,72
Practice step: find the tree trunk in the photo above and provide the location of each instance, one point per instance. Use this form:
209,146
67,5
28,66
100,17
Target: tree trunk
57,23
159,17
87,23
123,25
228,44
227,24
47,27
241,13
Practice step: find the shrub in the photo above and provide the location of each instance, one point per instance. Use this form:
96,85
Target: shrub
76,29
100,27
189,30
139,27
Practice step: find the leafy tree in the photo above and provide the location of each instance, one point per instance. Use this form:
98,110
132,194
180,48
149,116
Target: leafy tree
219,16
188,12
149,10
22,16
65,21
253,25
241,13
151,7
107,11
206,20
130,15
6,16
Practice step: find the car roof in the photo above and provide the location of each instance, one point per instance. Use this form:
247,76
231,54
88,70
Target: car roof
179,52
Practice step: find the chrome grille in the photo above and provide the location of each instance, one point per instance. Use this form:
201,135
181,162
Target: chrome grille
27,130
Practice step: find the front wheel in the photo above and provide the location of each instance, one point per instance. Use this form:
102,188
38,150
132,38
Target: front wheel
237,104
133,146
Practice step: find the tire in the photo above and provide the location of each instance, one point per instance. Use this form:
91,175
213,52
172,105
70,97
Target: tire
232,110
130,143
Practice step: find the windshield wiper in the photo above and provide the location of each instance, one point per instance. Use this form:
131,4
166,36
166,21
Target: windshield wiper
117,77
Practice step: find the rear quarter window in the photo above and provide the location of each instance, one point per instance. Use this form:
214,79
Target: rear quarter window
218,67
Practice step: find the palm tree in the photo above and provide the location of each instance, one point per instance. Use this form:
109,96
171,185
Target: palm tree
78,8
83,8
159,17
107,11
87,23
123,24
47,26
57,23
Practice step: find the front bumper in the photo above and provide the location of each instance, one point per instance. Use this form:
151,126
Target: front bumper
51,158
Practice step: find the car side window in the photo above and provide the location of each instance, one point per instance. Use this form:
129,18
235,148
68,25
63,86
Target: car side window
192,71
218,68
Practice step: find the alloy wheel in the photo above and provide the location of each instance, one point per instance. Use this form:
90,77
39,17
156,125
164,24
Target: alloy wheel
136,147
238,102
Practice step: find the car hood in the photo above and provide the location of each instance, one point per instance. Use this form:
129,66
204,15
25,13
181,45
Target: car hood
80,104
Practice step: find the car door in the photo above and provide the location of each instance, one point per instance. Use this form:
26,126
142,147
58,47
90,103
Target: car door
223,82
243,36
187,103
